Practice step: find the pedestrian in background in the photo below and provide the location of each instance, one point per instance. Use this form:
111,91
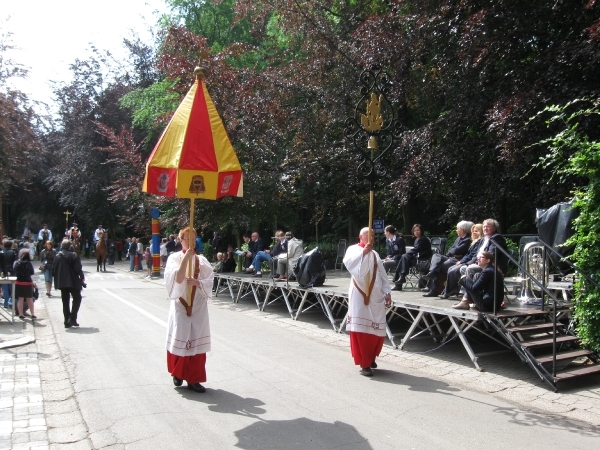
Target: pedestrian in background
24,284
47,261
9,256
69,279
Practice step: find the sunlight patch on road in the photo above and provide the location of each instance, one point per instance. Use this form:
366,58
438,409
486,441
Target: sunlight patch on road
137,308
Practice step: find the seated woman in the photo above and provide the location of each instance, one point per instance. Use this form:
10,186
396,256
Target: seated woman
225,266
421,250
441,263
484,287
453,274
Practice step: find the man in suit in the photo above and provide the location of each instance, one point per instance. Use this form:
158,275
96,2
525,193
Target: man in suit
257,244
395,246
441,263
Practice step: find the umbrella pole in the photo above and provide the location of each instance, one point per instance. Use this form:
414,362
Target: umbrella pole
190,268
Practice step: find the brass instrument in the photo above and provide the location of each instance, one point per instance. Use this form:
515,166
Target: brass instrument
532,260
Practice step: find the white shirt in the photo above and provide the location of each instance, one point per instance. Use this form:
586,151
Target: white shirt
41,235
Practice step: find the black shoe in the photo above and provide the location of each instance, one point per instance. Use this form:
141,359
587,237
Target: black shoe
72,322
197,387
67,325
366,372
397,287
430,294
430,276
177,382
373,365
425,289
444,296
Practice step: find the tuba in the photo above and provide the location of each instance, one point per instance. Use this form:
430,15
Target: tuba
532,260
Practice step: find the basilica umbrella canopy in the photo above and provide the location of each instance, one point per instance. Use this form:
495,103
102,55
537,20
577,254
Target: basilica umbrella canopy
194,157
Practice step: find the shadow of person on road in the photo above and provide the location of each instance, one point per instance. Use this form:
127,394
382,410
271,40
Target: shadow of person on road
221,401
83,330
300,433
419,384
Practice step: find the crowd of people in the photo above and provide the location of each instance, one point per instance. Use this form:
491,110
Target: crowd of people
471,269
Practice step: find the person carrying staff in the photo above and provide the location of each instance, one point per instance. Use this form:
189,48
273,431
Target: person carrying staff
368,297
188,332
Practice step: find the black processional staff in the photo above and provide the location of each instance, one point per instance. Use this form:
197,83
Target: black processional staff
374,134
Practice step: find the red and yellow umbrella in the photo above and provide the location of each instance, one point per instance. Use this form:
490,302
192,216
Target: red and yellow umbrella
194,157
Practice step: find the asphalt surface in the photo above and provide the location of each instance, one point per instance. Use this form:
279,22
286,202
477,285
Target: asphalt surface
273,383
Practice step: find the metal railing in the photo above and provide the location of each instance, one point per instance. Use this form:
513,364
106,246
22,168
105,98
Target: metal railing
542,285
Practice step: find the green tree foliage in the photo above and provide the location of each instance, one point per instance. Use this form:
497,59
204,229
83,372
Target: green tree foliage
574,154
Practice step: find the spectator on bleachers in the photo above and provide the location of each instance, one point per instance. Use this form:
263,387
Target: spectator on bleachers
453,274
395,246
267,255
421,250
227,265
441,263
484,286
287,261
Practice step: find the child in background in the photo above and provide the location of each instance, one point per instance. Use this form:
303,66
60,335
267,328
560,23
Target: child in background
148,259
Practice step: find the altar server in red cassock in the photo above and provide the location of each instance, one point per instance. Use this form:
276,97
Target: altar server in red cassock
368,297
188,332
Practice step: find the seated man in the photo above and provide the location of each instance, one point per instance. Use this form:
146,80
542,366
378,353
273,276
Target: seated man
441,263
491,238
287,261
421,250
484,287
395,246
266,255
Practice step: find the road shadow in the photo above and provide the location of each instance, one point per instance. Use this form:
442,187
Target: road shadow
225,402
83,330
515,415
417,384
300,433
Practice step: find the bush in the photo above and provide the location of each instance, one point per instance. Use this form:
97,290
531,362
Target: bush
573,156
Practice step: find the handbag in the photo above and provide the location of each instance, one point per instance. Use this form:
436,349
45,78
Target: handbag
42,267
36,293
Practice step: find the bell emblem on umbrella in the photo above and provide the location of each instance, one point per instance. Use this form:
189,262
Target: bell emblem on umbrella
197,185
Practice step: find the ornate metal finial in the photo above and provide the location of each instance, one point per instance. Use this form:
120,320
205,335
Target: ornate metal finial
199,70
370,131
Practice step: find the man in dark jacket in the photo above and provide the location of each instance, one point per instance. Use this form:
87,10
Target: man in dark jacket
7,261
69,278
441,263
484,287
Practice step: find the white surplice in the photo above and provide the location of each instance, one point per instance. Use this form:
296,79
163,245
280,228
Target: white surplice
366,318
188,336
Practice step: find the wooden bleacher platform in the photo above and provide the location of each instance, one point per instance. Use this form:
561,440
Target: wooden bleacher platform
527,330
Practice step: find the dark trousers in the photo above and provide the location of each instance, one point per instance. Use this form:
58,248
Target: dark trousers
440,265
406,262
68,311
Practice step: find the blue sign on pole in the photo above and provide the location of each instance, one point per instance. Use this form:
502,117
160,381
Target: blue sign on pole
378,226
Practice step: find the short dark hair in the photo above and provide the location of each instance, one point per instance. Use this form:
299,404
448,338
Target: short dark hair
65,245
8,244
390,229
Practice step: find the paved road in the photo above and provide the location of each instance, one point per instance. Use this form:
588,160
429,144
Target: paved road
272,384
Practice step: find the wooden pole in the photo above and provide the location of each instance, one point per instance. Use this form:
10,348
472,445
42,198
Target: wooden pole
190,268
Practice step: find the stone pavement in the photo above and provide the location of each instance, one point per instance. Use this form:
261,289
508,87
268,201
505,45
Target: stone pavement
38,408
22,419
